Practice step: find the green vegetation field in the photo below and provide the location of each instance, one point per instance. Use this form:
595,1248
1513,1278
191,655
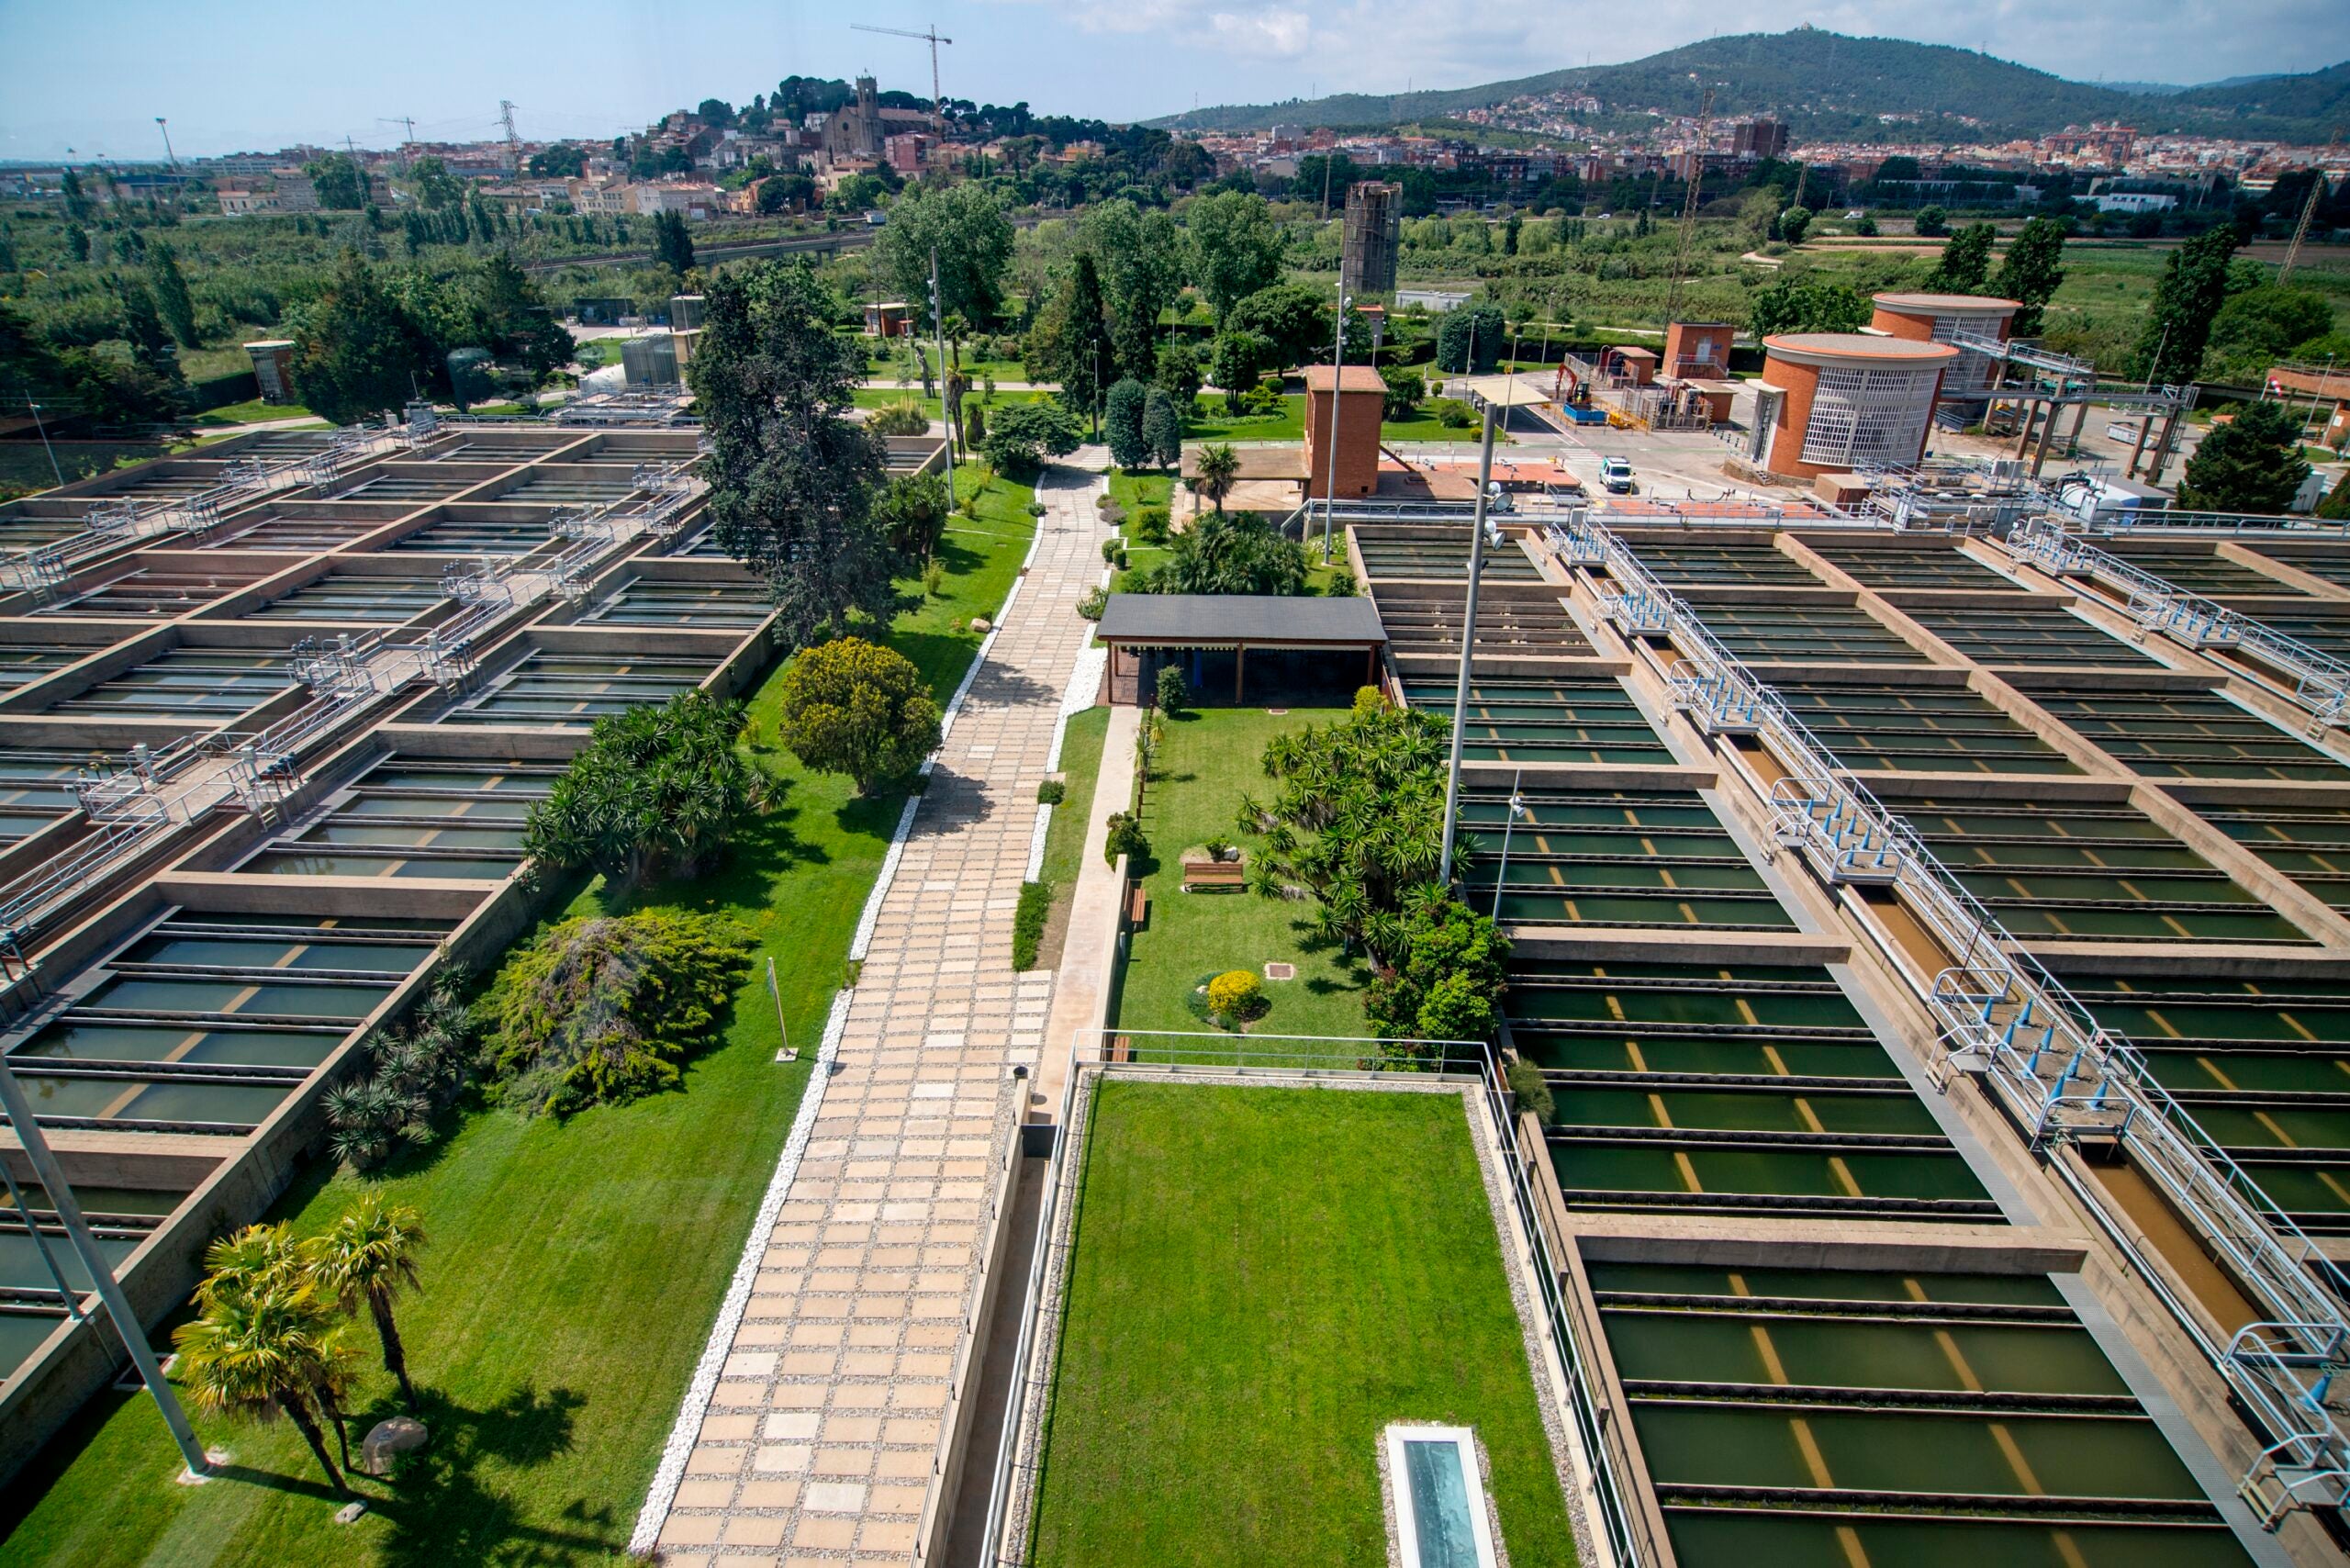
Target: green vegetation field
1210,759
1065,835
1263,1278
575,1268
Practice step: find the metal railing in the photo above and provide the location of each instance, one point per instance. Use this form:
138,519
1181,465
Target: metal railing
2060,1075
1011,1517
2320,682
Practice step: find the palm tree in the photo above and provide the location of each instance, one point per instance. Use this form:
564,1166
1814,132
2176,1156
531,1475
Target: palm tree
1217,472
247,1263
258,1350
370,1255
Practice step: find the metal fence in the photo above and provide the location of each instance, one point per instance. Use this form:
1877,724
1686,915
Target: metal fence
1173,1056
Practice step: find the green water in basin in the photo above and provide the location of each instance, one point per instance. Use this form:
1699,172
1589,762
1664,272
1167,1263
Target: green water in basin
257,999
1686,1347
1706,1538
72,1040
157,1100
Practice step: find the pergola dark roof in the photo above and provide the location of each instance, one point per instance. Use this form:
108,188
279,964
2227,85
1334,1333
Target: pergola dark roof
1224,621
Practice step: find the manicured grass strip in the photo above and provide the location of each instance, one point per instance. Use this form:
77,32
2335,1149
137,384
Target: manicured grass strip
575,1268
1028,922
1263,1278
1211,756
1065,834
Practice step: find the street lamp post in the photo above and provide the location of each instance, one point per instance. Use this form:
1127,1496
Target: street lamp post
1468,640
1509,823
1338,374
169,156
53,468
109,1291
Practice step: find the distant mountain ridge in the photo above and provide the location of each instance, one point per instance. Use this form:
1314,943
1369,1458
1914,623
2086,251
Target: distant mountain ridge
1829,85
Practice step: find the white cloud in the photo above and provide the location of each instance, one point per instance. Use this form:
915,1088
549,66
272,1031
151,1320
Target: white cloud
1276,32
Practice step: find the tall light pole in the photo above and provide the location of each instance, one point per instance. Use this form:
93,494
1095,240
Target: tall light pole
1338,374
68,1215
53,468
1468,640
169,156
938,336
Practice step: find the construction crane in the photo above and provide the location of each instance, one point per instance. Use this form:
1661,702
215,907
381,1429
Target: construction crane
1689,207
930,36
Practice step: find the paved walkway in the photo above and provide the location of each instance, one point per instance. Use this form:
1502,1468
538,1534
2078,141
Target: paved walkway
825,1439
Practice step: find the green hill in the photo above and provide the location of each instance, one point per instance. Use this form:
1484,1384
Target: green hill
1828,84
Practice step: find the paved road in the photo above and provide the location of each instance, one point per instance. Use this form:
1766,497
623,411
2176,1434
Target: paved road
825,1432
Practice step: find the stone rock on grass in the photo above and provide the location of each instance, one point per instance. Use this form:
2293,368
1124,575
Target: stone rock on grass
388,1438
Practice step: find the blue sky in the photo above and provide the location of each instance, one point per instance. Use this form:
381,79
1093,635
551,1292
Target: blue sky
92,75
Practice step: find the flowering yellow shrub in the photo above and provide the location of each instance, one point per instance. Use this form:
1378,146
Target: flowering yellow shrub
1235,993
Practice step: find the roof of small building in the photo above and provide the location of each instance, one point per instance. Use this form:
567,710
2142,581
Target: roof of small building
1946,304
1356,378
1200,619
1829,348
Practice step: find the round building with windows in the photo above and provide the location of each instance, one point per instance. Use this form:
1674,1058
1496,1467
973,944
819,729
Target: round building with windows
1847,400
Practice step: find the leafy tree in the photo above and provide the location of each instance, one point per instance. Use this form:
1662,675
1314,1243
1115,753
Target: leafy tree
856,707
142,328
2254,463
1358,822
1452,967
1163,429
1122,423
2262,324
1865,227
1405,388
2030,273
792,480
261,1347
1140,258
2178,319
673,246
912,512
77,200
77,241
965,227
1793,224
437,189
1932,221
1471,340
1021,436
1791,305
341,183
603,1010
1218,471
369,1255
655,790
565,160
1237,248
975,426
2335,507
356,351
1176,373
1085,353
516,324
782,193
172,300
1965,260
1234,361
1292,320
1237,553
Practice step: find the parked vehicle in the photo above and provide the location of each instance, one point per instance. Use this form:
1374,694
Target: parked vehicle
1616,474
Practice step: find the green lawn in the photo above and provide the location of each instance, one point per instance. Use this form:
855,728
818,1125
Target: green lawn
1263,1280
1065,834
575,1268
252,410
890,397
1290,424
1135,490
1211,758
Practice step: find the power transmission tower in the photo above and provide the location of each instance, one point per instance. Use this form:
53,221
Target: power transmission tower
1689,207
2301,230
513,141
931,36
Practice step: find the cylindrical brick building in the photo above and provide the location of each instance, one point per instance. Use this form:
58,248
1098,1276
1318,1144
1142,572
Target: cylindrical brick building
1850,401
1935,319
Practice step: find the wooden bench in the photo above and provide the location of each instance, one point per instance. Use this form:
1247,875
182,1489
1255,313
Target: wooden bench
1213,874
1138,906
1121,1048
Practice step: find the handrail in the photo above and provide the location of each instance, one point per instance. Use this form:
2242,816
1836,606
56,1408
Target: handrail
2320,682
2059,1073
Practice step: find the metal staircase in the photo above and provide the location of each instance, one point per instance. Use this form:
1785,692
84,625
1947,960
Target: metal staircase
2060,1076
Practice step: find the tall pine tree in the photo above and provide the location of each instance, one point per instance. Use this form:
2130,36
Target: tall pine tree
2030,273
2179,322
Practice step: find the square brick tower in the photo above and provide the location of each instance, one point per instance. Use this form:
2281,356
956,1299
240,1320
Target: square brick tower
1360,396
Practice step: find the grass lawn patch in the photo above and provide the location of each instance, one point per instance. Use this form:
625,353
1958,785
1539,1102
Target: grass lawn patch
890,397
1425,426
1262,1280
1211,756
1287,425
1065,834
574,1267
252,410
